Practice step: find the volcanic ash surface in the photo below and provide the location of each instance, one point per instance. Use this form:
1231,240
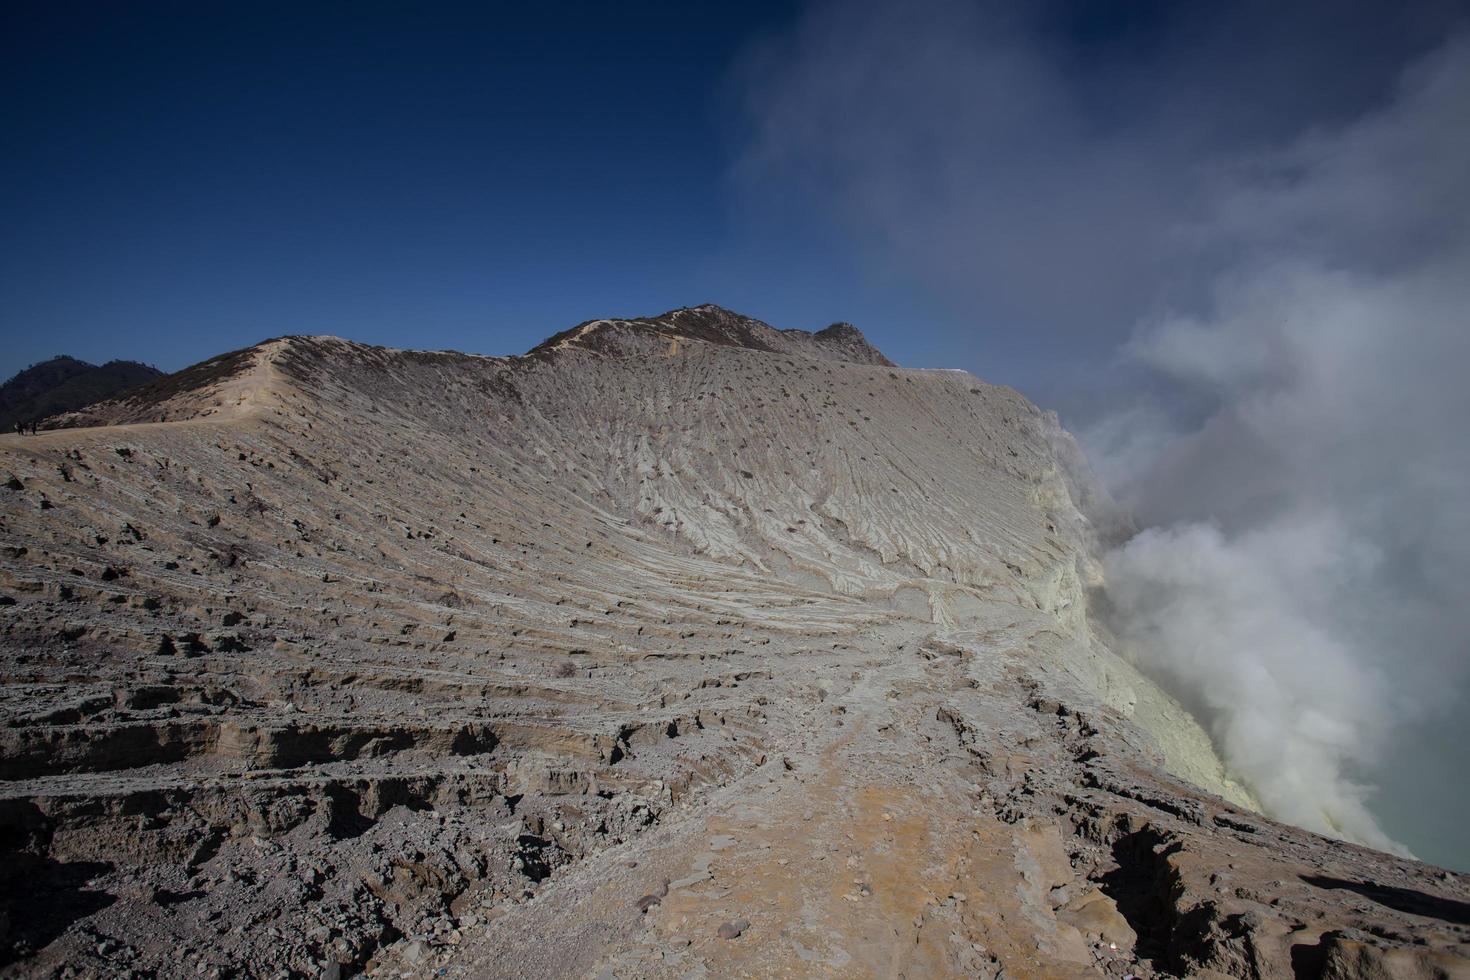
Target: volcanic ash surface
680,646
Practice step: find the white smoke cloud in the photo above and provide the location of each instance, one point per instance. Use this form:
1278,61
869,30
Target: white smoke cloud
1323,603
1221,621
1286,286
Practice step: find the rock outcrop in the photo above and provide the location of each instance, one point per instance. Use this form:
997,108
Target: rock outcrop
326,658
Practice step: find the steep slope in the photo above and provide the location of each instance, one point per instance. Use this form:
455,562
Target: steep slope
65,384
325,656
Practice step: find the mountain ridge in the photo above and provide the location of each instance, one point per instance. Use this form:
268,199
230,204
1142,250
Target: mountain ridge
334,654
715,324
63,384
707,323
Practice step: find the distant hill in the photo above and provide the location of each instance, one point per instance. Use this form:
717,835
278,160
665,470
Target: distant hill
65,384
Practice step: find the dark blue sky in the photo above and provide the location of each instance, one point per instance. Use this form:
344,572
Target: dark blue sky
182,178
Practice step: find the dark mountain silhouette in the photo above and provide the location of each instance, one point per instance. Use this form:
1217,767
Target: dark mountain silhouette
65,384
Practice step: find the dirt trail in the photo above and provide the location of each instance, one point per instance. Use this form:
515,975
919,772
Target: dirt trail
222,405
863,851
834,869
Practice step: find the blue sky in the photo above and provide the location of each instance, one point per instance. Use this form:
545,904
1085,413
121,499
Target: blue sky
185,178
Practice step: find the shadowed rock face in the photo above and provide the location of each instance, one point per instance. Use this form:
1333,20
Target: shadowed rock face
321,656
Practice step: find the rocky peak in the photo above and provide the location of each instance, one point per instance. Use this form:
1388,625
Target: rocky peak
714,324
844,337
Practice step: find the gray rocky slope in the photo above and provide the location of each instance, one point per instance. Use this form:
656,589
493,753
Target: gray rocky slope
676,647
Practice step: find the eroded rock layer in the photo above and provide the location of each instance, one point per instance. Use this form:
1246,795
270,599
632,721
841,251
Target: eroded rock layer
677,646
